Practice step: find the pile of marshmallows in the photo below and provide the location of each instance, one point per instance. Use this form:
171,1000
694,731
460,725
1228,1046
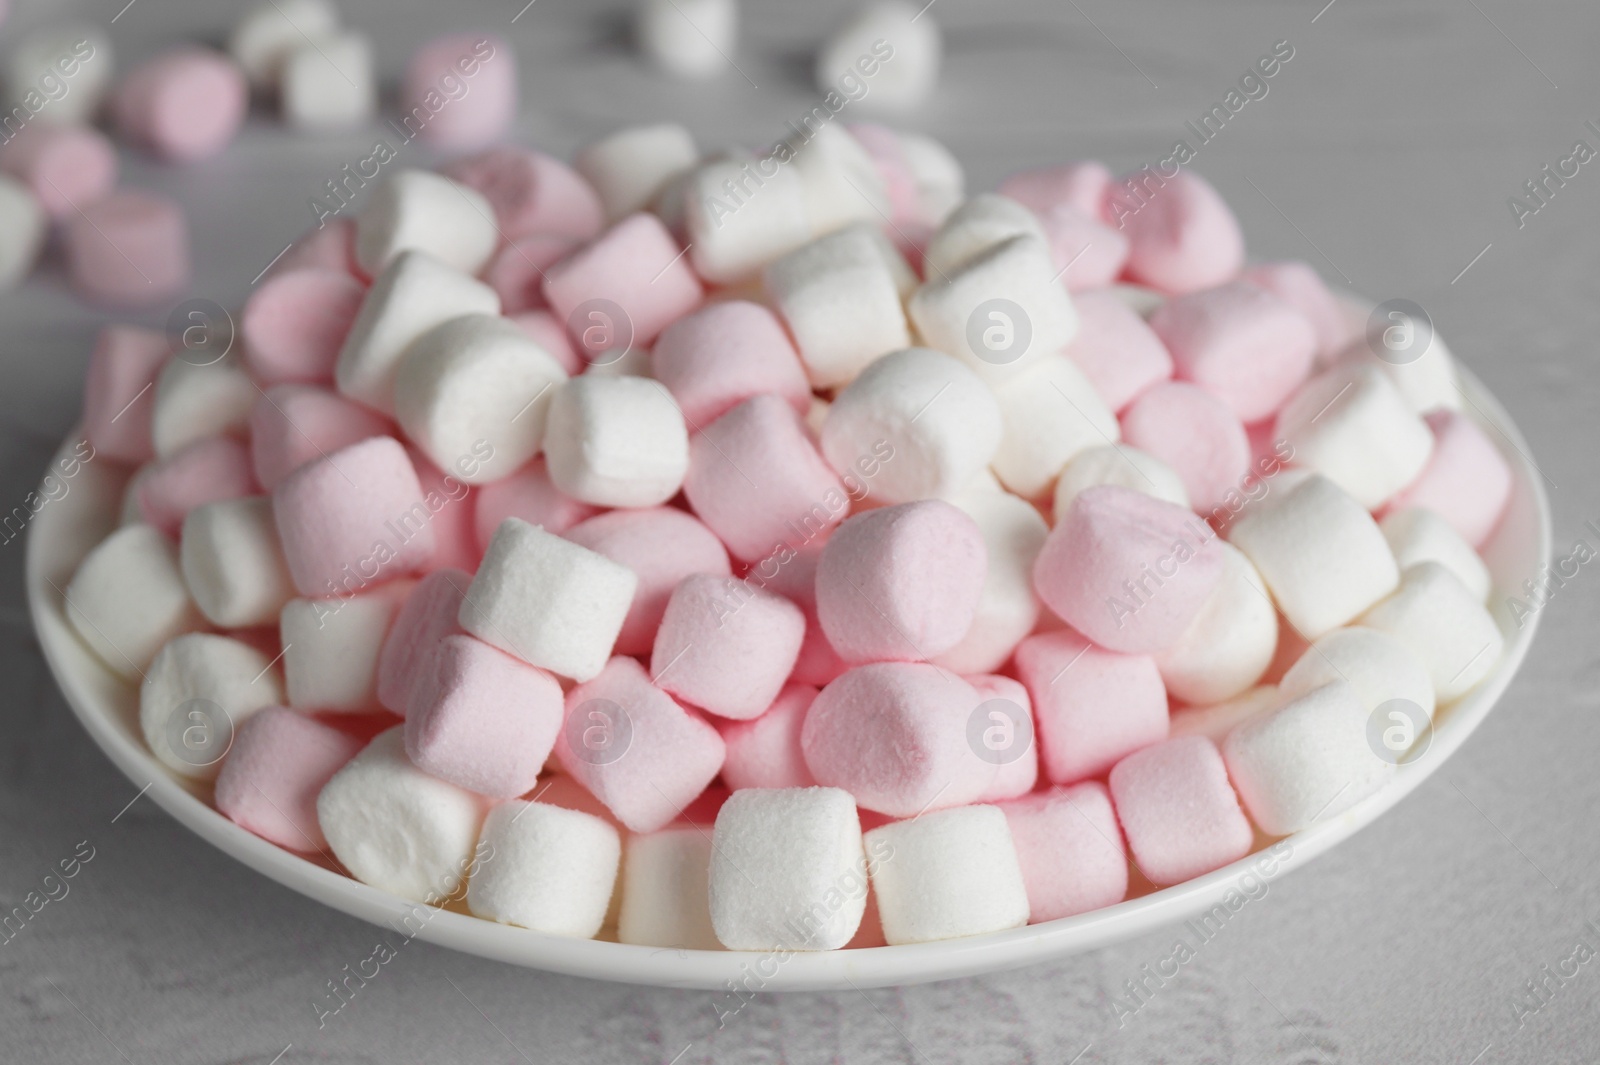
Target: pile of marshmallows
561,533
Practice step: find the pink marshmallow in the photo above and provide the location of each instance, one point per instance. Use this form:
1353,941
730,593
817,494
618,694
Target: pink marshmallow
1089,253
275,769
460,91
551,335
481,719
119,391
1127,570
1180,814
1012,747
290,425
130,249
427,617
662,546
528,494
517,270
1239,342
1195,433
331,246
725,647
901,583
765,751
635,748
636,265
185,104
1091,707
1302,288
793,575
65,167
724,353
1182,236
1082,186
454,506
294,325
1119,354
355,516
757,480
1070,848
1467,480
206,471
531,193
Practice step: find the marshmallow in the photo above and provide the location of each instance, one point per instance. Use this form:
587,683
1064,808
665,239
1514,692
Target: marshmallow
264,37
1121,465
635,266
792,573
330,84
629,168
1416,534
842,186
1178,810
1070,849
1320,552
198,690
206,471
279,762
128,598
428,615
330,246
947,874
1082,186
724,353
129,249
635,748
1444,624
892,47
291,425
1013,532
1351,425
232,562
1129,571
550,335
77,53
553,870
739,217
765,751
1215,721
399,829
197,400
548,601
1051,413
295,323
528,494
940,420
532,193
1091,253
936,173
413,294
25,224
1230,642
1416,359
1196,434
453,507
65,167
517,270
1182,237
183,105
1298,285
1467,481
482,720
665,890
1306,762
616,441
1004,716
1376,665
331,648
476,378
901,583
418,210
983,222
478,74
117,405
725,647
691,39
1119,354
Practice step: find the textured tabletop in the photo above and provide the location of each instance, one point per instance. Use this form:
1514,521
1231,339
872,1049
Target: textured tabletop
1384,152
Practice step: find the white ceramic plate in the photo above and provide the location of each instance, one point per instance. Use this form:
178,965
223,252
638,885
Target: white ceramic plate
64,530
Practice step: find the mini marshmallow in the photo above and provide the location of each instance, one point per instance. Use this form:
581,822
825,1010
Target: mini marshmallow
742,213
792,573
128,598
983,222
1013,533
1003,703
635,748
765,751
839,298
901,583
1417,534
1051,413
270,31
1321,554
725,647
399,829
450,502
183,105
330,84
630,167
553,870
724,353
1092,254
197,400
532,193
295,323
1119,354
1180,814
476,378
891,46
895,735
548,601
939,418
418,210
665,890
528,494
636,265
550,335
1417,360
1376,665
947,874
1444,624
25,226
1196,434
1307,761
279,762
936,173
1129,571
291,425
206,471
233,564
478,74
117,401
413,294
128,249
1082,186
329,246
65,167
1182,236
1214,722
842,186
1091,707
331,648
1298,285
616,441
1230,643
517,270
198,689
1467,481
428,615
1121,465
1351,425
481,719
691,39
78,52
1070,849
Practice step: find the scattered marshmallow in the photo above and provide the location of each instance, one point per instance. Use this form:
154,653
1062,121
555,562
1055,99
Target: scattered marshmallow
616,441
666,891
75,52
630,167
418,210
1180,814
947,874
117,405
330,84
1444,624
295,323
636,266
1051,414
65,167
1070,849
183,105
263,39
1467,481
129,249
205,471
279,762
198,690
531,192
331,648
198,400
742,213
128,598
1417,534
892,48
719,356
725,647
1230,642
765,751
1351,425
1121,465
233,564
460,91
690,39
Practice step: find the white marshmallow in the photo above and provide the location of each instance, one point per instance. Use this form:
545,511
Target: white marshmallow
986,220
619,441
629,168
331,84
665,890
1351,425
1051,414
195,400
1427,381
1305,762
548,601
128,598
23,226
50,51
1417,534
199,689
398,829
741,214
946,874
545,868
413,294
842,184
1377,667
936,172
233,563
1214,722
942,422
479,377
691,39
787,870
1013,532
418,210
1122,465
1230,642
331,647
1444,624
262,41
898,42
840,300
1319,551
1000,313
